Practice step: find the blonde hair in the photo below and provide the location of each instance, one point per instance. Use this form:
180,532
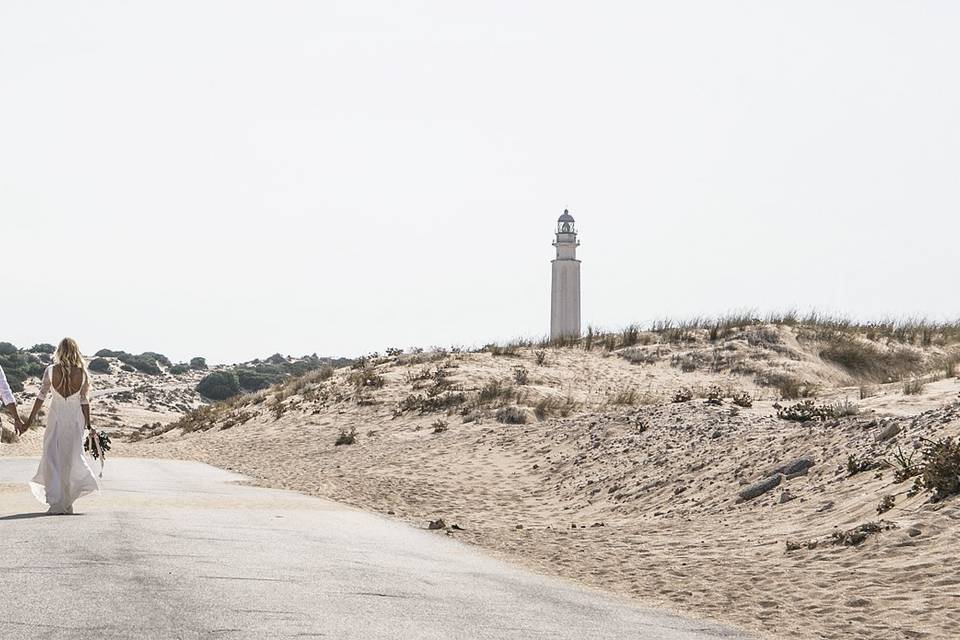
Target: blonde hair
68,355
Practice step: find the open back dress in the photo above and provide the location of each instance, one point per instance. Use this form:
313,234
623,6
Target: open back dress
64,475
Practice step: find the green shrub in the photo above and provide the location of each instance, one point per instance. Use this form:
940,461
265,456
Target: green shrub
100,365
179,369
7,349
143,363
157,357
219,385
252,380
198,364
20,366
48,349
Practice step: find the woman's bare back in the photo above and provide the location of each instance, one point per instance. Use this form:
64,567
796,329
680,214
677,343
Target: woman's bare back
67,385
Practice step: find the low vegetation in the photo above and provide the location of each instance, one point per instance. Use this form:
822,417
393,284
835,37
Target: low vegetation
19,366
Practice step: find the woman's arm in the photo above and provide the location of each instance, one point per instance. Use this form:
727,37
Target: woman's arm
44,392
38,403
85,402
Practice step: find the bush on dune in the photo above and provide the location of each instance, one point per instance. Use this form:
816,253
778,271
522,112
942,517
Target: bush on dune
100,365
48,349
19,366
219,385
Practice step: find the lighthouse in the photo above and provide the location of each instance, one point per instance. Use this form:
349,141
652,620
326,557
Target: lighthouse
565,297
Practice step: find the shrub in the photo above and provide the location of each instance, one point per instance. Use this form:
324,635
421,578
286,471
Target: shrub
886,503
521,376
624,397
904,466
251,380
366,377
804,412
179,369
859,465
100,365
508,351
20,366
142,363
127,368
714,396
198,364
440,426
346,437
512,415
48,349
551,406
843,408
950,365
683,394
789,386
107,353
913,387
941,468
637,355
857,535
866,360
743,399
7,349
540,357
157,357
496,391
687,362
219,385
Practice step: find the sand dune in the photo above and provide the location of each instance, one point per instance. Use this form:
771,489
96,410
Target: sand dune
641,499
629,491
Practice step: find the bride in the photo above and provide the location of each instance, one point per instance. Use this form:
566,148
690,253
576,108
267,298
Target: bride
64,475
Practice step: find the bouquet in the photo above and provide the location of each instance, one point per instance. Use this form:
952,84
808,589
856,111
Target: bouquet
98,443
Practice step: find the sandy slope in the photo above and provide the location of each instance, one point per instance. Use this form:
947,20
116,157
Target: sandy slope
661,478
640,499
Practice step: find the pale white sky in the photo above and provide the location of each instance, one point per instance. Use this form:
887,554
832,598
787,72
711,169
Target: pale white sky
236,178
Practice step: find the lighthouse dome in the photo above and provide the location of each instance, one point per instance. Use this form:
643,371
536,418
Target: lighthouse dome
566,217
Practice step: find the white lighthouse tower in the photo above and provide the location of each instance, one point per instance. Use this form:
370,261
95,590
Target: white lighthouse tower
565,300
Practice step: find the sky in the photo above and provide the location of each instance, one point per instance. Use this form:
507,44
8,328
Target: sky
237,178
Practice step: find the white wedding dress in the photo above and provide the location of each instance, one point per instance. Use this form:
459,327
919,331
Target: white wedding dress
64,475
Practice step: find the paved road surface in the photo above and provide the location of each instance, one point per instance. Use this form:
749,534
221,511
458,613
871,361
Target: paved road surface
178,550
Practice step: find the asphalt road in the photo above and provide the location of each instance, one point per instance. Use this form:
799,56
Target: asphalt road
178,550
